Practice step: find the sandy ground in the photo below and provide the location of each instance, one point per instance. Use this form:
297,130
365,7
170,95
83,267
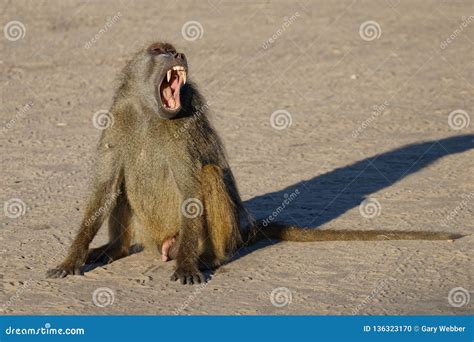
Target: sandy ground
369,121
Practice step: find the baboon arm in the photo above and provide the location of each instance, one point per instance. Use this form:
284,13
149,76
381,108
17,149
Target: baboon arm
105,190
192,225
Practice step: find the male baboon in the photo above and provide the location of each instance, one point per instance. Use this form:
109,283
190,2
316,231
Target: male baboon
162,171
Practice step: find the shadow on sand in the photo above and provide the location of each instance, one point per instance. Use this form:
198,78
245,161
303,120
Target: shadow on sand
326,197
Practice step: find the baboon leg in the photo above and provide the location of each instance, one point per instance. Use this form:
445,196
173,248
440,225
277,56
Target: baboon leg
120,235
222,219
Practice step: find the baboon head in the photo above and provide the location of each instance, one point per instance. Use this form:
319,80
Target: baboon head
158,75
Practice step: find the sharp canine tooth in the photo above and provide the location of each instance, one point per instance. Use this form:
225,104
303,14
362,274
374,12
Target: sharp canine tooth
168,76
184,77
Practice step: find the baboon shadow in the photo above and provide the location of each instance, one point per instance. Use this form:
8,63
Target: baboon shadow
325,197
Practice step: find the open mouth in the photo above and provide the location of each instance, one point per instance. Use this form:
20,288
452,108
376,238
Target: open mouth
170,87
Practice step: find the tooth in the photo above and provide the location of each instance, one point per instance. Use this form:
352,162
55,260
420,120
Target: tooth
168,76
184,77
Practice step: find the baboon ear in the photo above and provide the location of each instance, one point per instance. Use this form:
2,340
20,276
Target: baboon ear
156,49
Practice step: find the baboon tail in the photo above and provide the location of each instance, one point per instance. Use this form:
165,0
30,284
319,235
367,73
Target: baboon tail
283,232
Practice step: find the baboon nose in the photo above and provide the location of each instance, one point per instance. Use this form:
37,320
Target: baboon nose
179,55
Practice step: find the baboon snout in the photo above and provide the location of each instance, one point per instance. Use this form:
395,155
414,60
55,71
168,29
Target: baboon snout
180,56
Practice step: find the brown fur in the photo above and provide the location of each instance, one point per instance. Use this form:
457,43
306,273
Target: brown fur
151,160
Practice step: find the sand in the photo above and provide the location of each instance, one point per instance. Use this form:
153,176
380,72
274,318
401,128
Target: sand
378,139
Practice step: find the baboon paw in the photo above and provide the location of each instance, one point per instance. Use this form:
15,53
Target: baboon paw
62,271
189,277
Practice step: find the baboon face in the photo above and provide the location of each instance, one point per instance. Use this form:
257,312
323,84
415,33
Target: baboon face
170,75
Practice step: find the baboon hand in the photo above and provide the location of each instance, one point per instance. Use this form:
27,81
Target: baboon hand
188,275
64,270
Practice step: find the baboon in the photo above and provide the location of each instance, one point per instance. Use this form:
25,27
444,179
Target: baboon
161,173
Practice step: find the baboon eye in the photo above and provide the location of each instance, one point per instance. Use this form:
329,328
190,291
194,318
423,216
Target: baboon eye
156,50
